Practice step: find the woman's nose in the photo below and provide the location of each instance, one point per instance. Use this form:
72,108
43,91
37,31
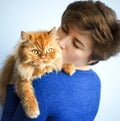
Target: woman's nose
64,42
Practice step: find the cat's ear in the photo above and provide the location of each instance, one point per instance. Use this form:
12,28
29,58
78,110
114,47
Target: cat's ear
52,31
25,35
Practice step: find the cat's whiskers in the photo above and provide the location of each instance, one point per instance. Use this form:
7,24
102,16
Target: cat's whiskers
27,61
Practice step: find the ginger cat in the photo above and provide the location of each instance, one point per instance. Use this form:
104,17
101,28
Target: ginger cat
37,53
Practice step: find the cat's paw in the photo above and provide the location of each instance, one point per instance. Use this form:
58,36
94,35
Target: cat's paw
32,109
68,68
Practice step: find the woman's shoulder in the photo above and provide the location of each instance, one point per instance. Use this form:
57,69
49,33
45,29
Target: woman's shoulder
60,78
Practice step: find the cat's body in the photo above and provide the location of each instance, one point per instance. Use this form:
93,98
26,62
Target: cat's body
36,54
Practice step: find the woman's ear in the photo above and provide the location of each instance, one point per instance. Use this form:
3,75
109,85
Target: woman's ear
92,62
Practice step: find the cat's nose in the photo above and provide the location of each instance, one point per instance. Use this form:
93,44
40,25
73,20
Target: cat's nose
42,56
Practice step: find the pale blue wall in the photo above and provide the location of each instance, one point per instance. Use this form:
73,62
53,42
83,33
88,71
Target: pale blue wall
28,15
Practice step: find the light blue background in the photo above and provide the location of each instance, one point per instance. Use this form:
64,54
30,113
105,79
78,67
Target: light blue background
30,15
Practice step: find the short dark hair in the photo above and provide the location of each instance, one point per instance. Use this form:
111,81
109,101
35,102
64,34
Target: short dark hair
100,21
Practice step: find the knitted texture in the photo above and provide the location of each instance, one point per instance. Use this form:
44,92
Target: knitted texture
61,98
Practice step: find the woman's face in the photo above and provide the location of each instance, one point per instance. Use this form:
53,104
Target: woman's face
77,46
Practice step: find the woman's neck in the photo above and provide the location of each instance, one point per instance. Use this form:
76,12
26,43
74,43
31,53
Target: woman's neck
84,68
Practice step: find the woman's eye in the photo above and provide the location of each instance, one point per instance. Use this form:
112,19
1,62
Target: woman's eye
35,51
75,45
49,50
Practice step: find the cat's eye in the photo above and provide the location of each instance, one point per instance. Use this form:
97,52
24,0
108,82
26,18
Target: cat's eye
49,50
35,51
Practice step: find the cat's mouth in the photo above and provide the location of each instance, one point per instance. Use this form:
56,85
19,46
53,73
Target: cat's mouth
42,62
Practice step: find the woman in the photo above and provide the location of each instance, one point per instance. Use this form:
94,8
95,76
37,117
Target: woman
89,33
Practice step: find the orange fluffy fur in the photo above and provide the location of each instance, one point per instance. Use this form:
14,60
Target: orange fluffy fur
37,53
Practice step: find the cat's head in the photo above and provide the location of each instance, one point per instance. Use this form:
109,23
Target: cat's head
38,48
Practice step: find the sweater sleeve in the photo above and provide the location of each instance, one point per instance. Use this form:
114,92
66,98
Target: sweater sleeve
13,110
11,104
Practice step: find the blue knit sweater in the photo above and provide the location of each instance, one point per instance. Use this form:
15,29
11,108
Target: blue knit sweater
61,98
